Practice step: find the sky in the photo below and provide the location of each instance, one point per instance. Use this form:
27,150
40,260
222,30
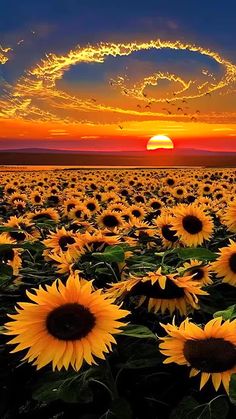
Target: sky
109,75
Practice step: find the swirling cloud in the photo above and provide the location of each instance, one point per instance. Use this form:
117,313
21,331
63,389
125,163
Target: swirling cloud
37,97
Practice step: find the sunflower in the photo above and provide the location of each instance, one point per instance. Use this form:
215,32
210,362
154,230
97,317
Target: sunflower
65,324
137,211
210,351
36,198
229,218
92,205
10,257
165,226
109,219
49,214
162,292
225,265
199,271
61,240
79,213
192,225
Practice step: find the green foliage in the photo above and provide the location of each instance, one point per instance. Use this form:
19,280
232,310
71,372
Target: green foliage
111,254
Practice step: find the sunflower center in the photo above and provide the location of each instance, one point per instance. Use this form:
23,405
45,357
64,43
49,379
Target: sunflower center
169,234
110,221
91,206
192,224
232,262
156,205
64,241
37,198
17,235
6,255
210,355
136,213
170,292
70,322
197,272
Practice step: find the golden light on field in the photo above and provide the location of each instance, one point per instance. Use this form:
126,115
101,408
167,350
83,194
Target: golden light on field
159,141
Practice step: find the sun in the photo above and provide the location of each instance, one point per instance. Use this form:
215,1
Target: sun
159,141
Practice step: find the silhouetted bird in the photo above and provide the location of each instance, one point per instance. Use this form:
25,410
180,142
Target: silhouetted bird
180,109
139,106
120,126
93,100
197,111
194,119
145,94
148,106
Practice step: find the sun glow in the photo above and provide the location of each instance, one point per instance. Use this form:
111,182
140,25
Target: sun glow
159,141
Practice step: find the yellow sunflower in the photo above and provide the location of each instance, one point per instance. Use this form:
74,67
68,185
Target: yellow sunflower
9,256
192,225
225,265
229,218
163,292
65,324
44,214
199,271
110,219
210,351
165,226
61,240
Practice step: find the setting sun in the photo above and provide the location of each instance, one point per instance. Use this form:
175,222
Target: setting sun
159,141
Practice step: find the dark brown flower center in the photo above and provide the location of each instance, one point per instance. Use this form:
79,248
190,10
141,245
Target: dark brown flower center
17,235
169,234
170,292
70,322
70,206
210,355
91,206
37,198
232,262
110,221
136,213
155,205
6,255
197,272
64,241
192,224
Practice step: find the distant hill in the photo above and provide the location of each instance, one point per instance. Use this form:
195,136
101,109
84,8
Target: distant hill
160,157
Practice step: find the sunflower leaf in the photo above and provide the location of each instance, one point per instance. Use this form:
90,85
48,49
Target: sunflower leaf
119,409
232,389
228,314
111,254
188,408
199,253
138,331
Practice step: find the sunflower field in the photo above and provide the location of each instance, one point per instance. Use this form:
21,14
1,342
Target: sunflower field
118,294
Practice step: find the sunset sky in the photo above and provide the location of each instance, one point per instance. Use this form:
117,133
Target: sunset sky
103,75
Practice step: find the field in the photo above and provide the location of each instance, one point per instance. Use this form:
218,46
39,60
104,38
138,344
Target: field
118,294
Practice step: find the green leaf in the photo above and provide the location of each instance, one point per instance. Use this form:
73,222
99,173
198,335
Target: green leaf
217,408
119,409
111,254
228,314
138,331
199,253
184,407
232,389
70,387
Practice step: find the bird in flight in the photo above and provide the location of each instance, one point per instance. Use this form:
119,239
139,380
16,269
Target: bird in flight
120,126
145,94
93,100
194,119
208,94
148,106
139,106
184,101
197,111
180,109
20,42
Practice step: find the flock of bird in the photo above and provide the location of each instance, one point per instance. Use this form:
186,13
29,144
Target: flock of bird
150,103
